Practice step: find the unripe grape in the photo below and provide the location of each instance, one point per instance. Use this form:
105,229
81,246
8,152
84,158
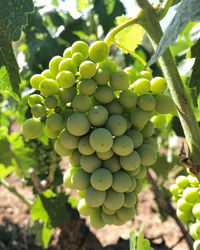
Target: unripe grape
74,158
132,73
61,150
125,213
164,104
32,128
136,137
87,69
77,58
138,187
54,122
94,198
48,74
101,179
116,124
121,181
67,53
174,189
80,179
67,177
38,110
67,95
158,85
183,205
51,102
51,133
110,66
102,76
96,219
54,63
98,115
119,222
114,200
105,155
196,245
81,103
90,163
98,51
148,130
128,99
146,102
130,200
159,121
114,107
35,99
84,208
65,79
139,117
122,145
67,65
67,113
87,86
107,210
48,87
101,140
73,124
84,146
112,164
145,74
152,142
108,219
119,80
36,80
104,94
68,140
191,194
80,47
182,181
131,161
133,173
81,193
142,86
148,155
193,181
128,120
195,231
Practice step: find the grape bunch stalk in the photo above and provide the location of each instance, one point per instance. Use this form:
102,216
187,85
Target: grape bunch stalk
103,119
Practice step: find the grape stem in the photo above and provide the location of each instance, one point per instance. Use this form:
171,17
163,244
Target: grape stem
163,9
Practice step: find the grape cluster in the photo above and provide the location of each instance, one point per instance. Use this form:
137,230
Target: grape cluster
186,192
103,118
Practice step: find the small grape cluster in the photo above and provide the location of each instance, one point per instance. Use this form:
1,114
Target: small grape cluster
103,118
186,192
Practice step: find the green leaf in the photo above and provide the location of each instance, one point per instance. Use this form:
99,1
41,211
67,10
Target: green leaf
55,2
187,11
142,243
6,153
82,4
38,211
135,31
46,234
194,81
5,171
73,201
132,240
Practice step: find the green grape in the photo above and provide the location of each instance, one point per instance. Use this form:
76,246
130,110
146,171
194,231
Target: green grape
133,184
128,120
80,179
81,103
108,219
121,181
191,194
132,73
54,122
84,146
61,150
67,53
148,154
106,155
130,200
35,99
195,231
94,198
90,163
67,177
65,79
102,76
159,121
174,189
101,179
38,110
110,66
81,193
136,137
183,205
119,80
73,124
125,213
36,80
142,86
48,87
193,180
98,115
128,99
68,140
84,208
114,107
67,65
32,128
183,216
145,74
148,130
80,47
50,133
196,245
122,145
107,210
54,63
74,158
130,162
139,117
112,164
67,113
116,124
158,85
87,69
146,102
104,94
101,140
96,219
114,200
182,181
67,95
133,173
119,222
77,58
164,104
152,142
138,187
98,51
48,74
87,86
51,102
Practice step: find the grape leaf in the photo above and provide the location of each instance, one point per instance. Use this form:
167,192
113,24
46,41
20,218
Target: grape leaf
142,243
132,240
5,171
82,4
194,81
186,12
123,37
